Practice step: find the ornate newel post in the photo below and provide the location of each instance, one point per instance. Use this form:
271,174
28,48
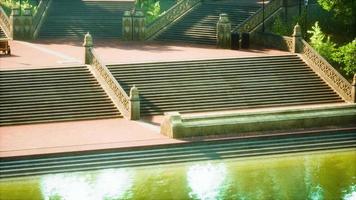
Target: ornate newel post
88,43
353,90
138,26
223,32
15,28
127,26
27,24
134,103
297,39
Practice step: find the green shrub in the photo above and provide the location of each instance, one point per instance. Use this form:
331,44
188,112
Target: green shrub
346,56
321,42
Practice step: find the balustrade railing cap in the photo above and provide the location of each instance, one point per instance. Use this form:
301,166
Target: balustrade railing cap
297,31
127,13
139,13
88,40
15,11
224,18
27,11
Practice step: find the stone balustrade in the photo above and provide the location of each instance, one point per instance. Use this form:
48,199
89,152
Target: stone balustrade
129,106
169,16
25,25
326,71
5,23
253,21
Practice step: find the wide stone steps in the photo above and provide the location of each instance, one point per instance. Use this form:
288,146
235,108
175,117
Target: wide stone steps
199,25
223,84
72,19
170,154
52,95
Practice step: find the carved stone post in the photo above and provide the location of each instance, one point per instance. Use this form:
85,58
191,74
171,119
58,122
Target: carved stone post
138,26
88,43
172,125
223,32
26,20
353,90
15,23
127,26
134,103
297,39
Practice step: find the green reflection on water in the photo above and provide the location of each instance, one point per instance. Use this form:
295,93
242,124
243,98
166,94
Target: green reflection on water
315,176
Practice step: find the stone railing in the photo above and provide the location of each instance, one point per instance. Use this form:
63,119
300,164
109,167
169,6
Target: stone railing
5,22
271,40
168,17
39,15
129,106
326,71
121,99
257,18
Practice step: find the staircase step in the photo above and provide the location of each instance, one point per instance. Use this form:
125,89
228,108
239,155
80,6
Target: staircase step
223,84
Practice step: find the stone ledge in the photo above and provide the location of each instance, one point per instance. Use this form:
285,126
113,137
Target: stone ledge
179,126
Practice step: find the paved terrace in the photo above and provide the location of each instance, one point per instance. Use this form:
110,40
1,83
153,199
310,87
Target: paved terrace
95,134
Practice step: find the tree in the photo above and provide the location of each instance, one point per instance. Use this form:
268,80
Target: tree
343,10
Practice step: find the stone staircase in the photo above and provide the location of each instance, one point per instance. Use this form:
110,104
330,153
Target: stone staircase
52,95
199,25
170,154
2,33
224,84
74,18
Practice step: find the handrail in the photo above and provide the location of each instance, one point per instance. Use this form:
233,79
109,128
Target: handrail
326,71
254,20
109,83
37,18
5,22
169,16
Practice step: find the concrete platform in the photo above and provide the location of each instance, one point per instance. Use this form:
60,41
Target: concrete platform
54,53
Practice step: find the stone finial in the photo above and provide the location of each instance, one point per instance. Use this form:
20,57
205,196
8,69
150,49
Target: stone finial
354,80
134,93
15,11
134,103
224,18
297,31
88,40
223,32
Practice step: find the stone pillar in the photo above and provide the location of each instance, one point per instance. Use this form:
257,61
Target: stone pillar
353,90
138,22
223,32
88,43
27,24
297,39
172,125
15,23
127,26
134,103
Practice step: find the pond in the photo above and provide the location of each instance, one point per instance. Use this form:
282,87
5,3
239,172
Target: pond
310,175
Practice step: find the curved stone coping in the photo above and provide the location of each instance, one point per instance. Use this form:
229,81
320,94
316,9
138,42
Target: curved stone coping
179,126
179,153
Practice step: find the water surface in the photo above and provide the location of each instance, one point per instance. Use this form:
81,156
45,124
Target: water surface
319,175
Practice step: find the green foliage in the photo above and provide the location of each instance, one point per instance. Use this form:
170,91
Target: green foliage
153,11
321,42
342,9
346,56
25,4
151,8
280,27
